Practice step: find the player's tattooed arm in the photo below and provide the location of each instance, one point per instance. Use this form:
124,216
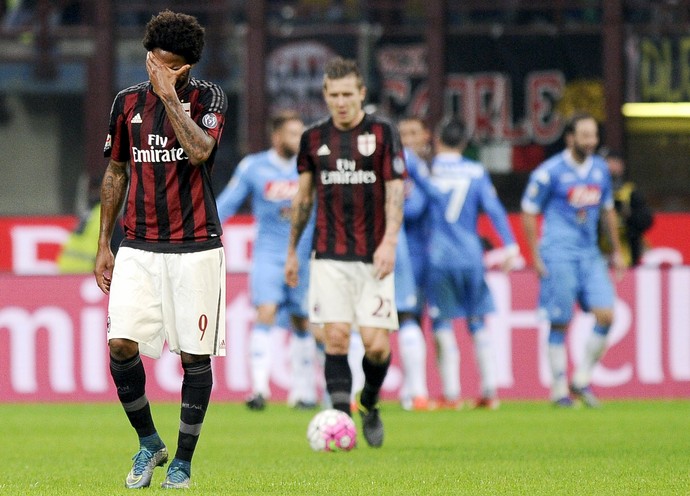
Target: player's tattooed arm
384,256
113,189
302,205
395,199
196,143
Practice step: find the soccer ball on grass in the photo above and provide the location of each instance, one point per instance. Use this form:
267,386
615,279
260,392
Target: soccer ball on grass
331,430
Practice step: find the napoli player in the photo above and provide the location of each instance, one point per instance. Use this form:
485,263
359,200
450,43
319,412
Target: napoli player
270,177
458,189
569,190
416,138
409,272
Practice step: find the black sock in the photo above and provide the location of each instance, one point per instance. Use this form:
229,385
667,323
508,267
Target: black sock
338,381
374,374
196,393
130,379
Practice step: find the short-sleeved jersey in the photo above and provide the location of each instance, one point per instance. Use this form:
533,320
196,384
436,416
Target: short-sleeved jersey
272,182
570,198
170,206
349,170
460,189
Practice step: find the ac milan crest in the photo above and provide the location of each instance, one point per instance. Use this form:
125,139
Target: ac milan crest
366,144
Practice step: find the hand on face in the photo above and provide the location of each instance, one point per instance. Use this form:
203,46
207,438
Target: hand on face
167,72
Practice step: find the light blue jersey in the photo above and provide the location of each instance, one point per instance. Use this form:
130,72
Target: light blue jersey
272,182
416,223
405,286
570,197
458,190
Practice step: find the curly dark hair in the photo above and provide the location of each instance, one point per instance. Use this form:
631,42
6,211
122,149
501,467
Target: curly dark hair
176,33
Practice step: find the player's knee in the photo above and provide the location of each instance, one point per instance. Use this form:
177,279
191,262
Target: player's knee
337,340
266,314
378,350
603,317
378,355
122,349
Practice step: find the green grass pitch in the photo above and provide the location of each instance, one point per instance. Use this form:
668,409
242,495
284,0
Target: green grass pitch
525,448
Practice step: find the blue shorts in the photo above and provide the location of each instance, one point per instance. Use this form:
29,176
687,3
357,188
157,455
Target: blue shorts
458,292
405,287
267,285
419,262
584,281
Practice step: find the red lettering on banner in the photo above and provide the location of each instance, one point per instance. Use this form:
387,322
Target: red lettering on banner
397,90
484,100
460,95
544,89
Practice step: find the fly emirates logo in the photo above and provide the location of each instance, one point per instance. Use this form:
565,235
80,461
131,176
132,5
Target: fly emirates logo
157,153
346,173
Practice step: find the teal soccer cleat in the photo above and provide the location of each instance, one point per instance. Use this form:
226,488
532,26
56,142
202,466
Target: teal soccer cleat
176,478
142,468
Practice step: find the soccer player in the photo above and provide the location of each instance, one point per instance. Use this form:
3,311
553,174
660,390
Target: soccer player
168,281
414,394
415,137
458,189
353,164
570,190
270,177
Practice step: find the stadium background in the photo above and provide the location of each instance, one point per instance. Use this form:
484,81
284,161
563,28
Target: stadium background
513,69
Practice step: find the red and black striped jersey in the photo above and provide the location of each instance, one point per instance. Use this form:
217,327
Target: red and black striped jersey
349,170
170,206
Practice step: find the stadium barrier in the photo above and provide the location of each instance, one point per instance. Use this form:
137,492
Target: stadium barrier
53,337
53,330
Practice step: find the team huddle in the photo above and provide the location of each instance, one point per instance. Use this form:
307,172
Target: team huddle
340,208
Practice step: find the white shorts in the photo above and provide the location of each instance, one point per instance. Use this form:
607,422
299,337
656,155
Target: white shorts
349,292
173,297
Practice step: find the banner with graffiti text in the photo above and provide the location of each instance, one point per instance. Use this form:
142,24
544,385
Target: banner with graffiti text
513,92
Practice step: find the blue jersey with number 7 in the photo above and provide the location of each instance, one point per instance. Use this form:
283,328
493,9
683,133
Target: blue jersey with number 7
459,190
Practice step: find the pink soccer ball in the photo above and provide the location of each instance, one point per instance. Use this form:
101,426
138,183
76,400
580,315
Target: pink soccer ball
331,430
